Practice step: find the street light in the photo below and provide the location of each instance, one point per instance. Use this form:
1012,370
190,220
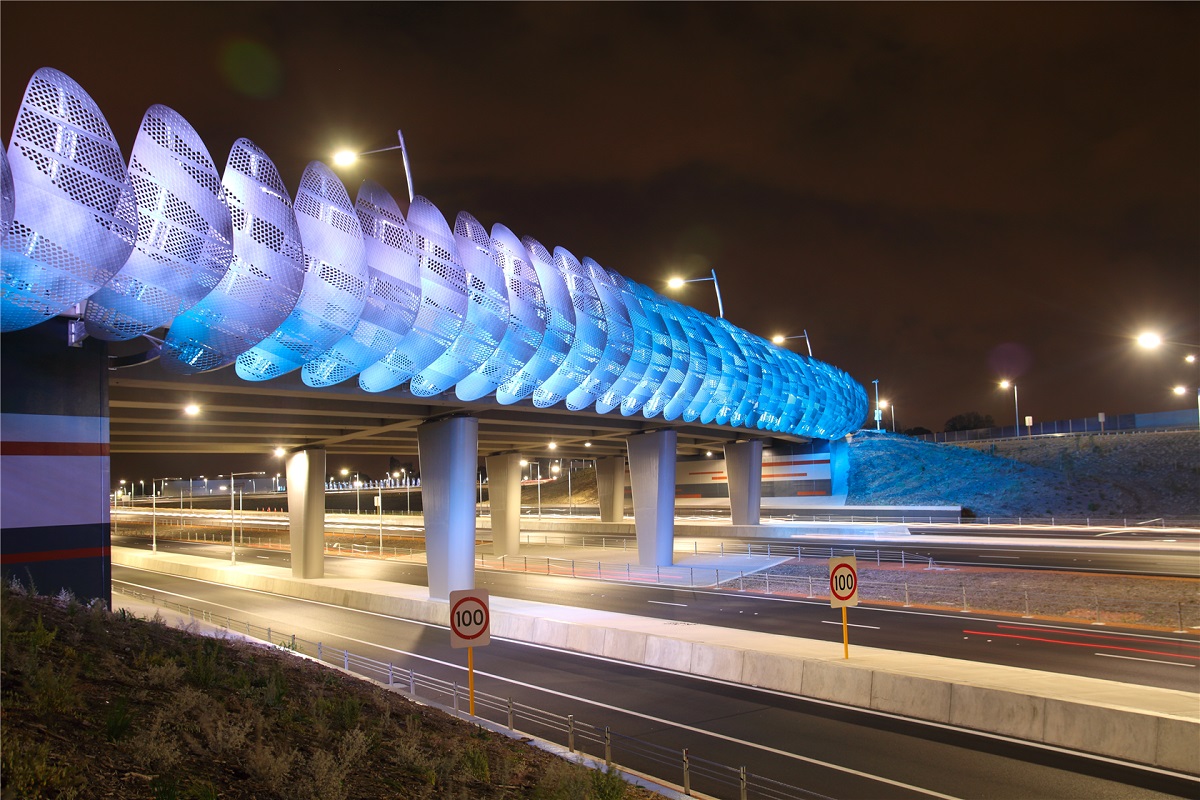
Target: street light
677,283
1151,340
878,410
886,404
154,510
407,491
344,158
232,514
779,339
1016,402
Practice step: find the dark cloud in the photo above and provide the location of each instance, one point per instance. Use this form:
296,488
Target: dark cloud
915,185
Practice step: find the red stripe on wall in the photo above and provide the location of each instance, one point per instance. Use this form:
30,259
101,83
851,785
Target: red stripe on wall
53,448
720,476
767,464
710,472
687,495
54,555
810,494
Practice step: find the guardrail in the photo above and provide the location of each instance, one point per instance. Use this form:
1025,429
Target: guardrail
600,743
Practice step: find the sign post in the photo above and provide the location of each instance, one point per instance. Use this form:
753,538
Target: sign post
470,627
843,592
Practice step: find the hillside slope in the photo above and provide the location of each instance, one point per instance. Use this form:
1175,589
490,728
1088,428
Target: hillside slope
1135,476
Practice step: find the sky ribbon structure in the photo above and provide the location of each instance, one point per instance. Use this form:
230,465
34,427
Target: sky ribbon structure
240,274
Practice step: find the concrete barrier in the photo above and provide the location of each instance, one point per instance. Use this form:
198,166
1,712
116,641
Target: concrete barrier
1144,724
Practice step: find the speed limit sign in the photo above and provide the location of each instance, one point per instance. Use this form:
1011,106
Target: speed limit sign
470,619
843,582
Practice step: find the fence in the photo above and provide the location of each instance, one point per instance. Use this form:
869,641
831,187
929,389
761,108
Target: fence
600,743
1183,419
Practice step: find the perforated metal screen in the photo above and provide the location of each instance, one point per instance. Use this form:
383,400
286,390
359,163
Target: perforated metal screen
338,290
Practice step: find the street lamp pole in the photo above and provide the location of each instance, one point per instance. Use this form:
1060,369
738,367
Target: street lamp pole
1016,403
892,407
676,283
345,158
779,339
233,514
154,509
1150,341
878,411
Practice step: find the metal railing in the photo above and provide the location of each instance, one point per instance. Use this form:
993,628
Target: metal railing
601,744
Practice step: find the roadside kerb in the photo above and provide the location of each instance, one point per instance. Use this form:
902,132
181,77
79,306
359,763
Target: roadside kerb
1138,723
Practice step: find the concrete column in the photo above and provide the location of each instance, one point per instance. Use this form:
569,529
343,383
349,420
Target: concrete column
306,511
504,499
449,452
743,468
610,486
54,465
652,476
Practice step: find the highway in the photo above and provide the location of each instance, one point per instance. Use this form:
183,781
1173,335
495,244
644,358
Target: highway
1127,551
1166,660
833,750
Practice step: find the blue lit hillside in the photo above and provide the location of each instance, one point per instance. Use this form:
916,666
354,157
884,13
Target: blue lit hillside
1136,476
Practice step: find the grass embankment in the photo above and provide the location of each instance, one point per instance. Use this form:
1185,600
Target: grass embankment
107,705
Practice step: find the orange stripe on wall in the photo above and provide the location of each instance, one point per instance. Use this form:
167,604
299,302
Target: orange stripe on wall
53,448
53,555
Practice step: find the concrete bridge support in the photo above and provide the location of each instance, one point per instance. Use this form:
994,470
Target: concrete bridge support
306,511
54,467
652,476
504,498
449,452
610,486
743,467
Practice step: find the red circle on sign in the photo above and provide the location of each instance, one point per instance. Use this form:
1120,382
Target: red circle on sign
832,583
454,615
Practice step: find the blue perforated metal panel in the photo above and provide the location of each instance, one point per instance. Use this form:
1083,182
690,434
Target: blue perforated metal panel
393,291
75,219
336,290
263,282
443,302
335,280
486,319
185,233
591,333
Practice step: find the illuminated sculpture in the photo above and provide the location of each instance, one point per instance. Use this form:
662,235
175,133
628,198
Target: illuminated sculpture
393,296
336,290
184,235
263,282
75,219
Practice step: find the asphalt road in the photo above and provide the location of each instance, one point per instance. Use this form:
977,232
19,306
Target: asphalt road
1166,660
836,751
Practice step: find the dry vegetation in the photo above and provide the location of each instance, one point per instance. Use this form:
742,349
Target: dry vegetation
103,705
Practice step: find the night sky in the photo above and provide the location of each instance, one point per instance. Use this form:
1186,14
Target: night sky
942,195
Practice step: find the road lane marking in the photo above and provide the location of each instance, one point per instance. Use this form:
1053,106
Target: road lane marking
1079,644
1120,637
1151,660
577,698
664,603
849,624
703,678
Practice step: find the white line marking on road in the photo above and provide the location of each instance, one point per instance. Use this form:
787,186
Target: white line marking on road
664,603
850,624
1151,660
703,678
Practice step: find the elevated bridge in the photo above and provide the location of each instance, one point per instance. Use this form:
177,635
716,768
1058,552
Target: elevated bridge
322,323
